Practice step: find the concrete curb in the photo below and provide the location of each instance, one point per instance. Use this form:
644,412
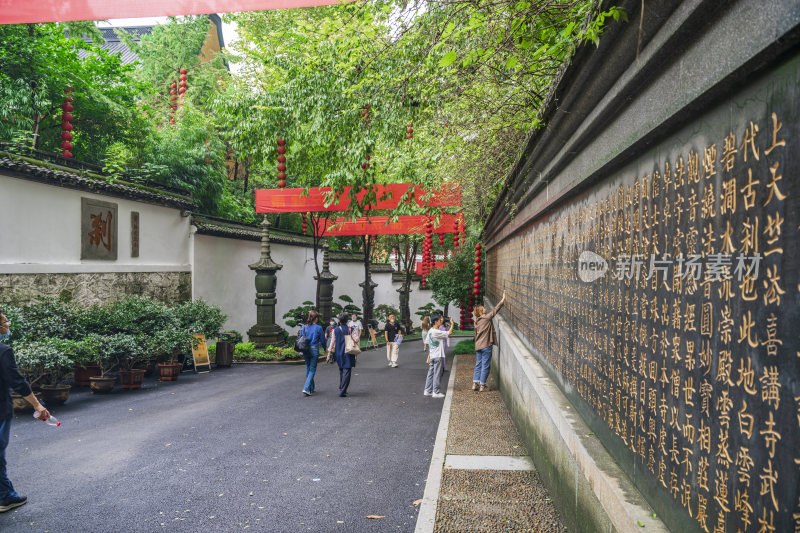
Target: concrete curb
426,518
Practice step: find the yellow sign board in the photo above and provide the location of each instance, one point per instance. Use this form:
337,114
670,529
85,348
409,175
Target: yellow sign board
200,352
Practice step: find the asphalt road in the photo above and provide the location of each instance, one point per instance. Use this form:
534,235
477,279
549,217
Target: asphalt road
235,449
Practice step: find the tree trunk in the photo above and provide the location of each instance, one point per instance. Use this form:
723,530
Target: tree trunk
405,306
368,292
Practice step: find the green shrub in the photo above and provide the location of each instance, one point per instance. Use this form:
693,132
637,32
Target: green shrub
383,311
231,336
298,315
197,317
46,318
244,348
464,348
46,361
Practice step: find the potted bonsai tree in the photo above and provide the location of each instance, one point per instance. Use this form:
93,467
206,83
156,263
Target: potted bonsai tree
45,363
167,344
101,349
131,351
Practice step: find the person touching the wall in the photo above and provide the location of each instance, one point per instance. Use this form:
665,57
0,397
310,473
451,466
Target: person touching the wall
485,337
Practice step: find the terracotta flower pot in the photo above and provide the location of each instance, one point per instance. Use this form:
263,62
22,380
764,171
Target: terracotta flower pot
55,394
131,379
102,385
83,373
169,371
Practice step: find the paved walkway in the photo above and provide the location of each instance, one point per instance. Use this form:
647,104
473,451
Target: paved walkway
235,449
481,478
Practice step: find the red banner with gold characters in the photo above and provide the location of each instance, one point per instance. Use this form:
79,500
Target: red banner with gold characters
388,197
342,227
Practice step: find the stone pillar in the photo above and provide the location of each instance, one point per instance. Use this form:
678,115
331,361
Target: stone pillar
265,331
405,309
326,280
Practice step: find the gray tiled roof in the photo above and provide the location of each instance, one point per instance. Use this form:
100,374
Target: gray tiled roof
114,45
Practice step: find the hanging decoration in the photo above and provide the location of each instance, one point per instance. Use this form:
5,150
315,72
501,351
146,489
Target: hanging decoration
183,85
66,124
281,163
365,164
305,223
456,243
397,258
463,321
381,225
297,200
441,239
427,252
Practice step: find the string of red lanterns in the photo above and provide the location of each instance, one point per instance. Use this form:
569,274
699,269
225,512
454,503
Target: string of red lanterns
66,123
305,223
183,85
427,248
282,164
456,243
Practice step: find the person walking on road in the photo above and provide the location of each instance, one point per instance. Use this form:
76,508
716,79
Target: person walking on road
355,324
436,339
11,379
485,337
313,334
345,360
390,333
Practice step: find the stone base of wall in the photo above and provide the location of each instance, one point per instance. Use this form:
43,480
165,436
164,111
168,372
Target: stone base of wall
590,490
87,288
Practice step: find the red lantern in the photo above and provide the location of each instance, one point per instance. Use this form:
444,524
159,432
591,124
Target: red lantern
441,239
282,171
184,71
66,126
66,106
66,153
67,136
66,145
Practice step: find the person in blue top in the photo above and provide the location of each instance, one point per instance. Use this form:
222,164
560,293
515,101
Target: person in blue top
345,360
313,334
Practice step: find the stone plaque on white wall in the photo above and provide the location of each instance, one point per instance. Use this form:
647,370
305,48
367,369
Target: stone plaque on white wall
134,234
98,229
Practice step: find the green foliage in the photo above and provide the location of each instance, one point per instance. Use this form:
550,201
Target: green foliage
47,317
269,353
453,282
427,310
231,335
38,62
46,361
243,348
464,348
383,311
197,317
297,316
349,308
120,334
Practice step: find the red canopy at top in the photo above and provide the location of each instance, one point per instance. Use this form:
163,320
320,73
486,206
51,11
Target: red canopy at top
27,11
388,197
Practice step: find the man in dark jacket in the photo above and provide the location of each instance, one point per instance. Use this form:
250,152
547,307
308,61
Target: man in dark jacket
11,379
